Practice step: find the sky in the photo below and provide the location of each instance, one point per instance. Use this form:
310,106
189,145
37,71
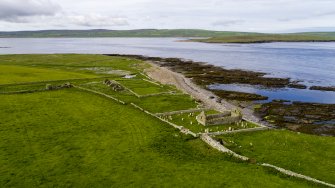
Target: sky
223,15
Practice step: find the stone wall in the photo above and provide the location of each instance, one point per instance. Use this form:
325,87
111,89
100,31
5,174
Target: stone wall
215,116
226,117
181,128
225,120
181,112
210,141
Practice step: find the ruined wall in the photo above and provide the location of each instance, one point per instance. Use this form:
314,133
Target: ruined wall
225,120
215,116
227,117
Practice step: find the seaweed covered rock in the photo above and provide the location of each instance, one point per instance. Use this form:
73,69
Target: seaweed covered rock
310,118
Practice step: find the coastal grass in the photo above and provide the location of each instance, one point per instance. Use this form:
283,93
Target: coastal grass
40,85
83,63
69,138
302,153
72,138
155,104
142,87
18,74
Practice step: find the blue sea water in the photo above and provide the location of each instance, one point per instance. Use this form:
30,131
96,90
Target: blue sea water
310,63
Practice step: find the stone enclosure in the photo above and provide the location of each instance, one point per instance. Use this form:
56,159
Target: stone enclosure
227,117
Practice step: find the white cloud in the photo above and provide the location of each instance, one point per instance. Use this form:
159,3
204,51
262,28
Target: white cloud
96,20
242,15
19,10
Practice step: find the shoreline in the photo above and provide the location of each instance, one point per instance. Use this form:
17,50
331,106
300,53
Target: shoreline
226,76
193,77
209,99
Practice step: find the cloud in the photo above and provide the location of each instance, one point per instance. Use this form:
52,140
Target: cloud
19,10
308,16
42,12
94,20
227,22
240,15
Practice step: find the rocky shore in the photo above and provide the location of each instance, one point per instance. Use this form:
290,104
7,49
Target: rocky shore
311,118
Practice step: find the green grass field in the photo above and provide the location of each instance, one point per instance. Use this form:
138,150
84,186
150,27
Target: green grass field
19,74
154,104
142,87
73,138
307,154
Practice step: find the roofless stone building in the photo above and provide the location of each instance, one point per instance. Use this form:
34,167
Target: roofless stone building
227,117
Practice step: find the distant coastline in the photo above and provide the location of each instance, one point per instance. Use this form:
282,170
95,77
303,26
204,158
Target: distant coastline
207,36
268,38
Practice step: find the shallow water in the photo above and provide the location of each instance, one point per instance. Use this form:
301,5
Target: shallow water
313,63
291,94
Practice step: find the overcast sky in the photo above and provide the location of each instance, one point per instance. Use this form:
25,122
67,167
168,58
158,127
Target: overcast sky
233,15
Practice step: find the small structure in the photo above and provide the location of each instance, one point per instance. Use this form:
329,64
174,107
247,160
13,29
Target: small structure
115,86
56,87
227,117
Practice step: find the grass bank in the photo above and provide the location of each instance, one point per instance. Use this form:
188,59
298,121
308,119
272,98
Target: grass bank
75,139
306,154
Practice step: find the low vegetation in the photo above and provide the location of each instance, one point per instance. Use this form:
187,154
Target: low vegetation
10,74
73,138
306,154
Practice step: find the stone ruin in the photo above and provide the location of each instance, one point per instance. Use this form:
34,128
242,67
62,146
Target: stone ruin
55,87
115,86
227,117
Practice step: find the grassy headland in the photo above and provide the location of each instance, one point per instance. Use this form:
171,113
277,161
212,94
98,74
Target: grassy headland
266,38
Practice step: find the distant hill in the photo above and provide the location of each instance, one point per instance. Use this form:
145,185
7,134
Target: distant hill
266,38
208,35
119,33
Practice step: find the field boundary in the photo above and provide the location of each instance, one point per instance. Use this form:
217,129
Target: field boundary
181,112
99,93
147,95
181,128
50,81
22,92
239,131
293,174
131,91
215,144
153,82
